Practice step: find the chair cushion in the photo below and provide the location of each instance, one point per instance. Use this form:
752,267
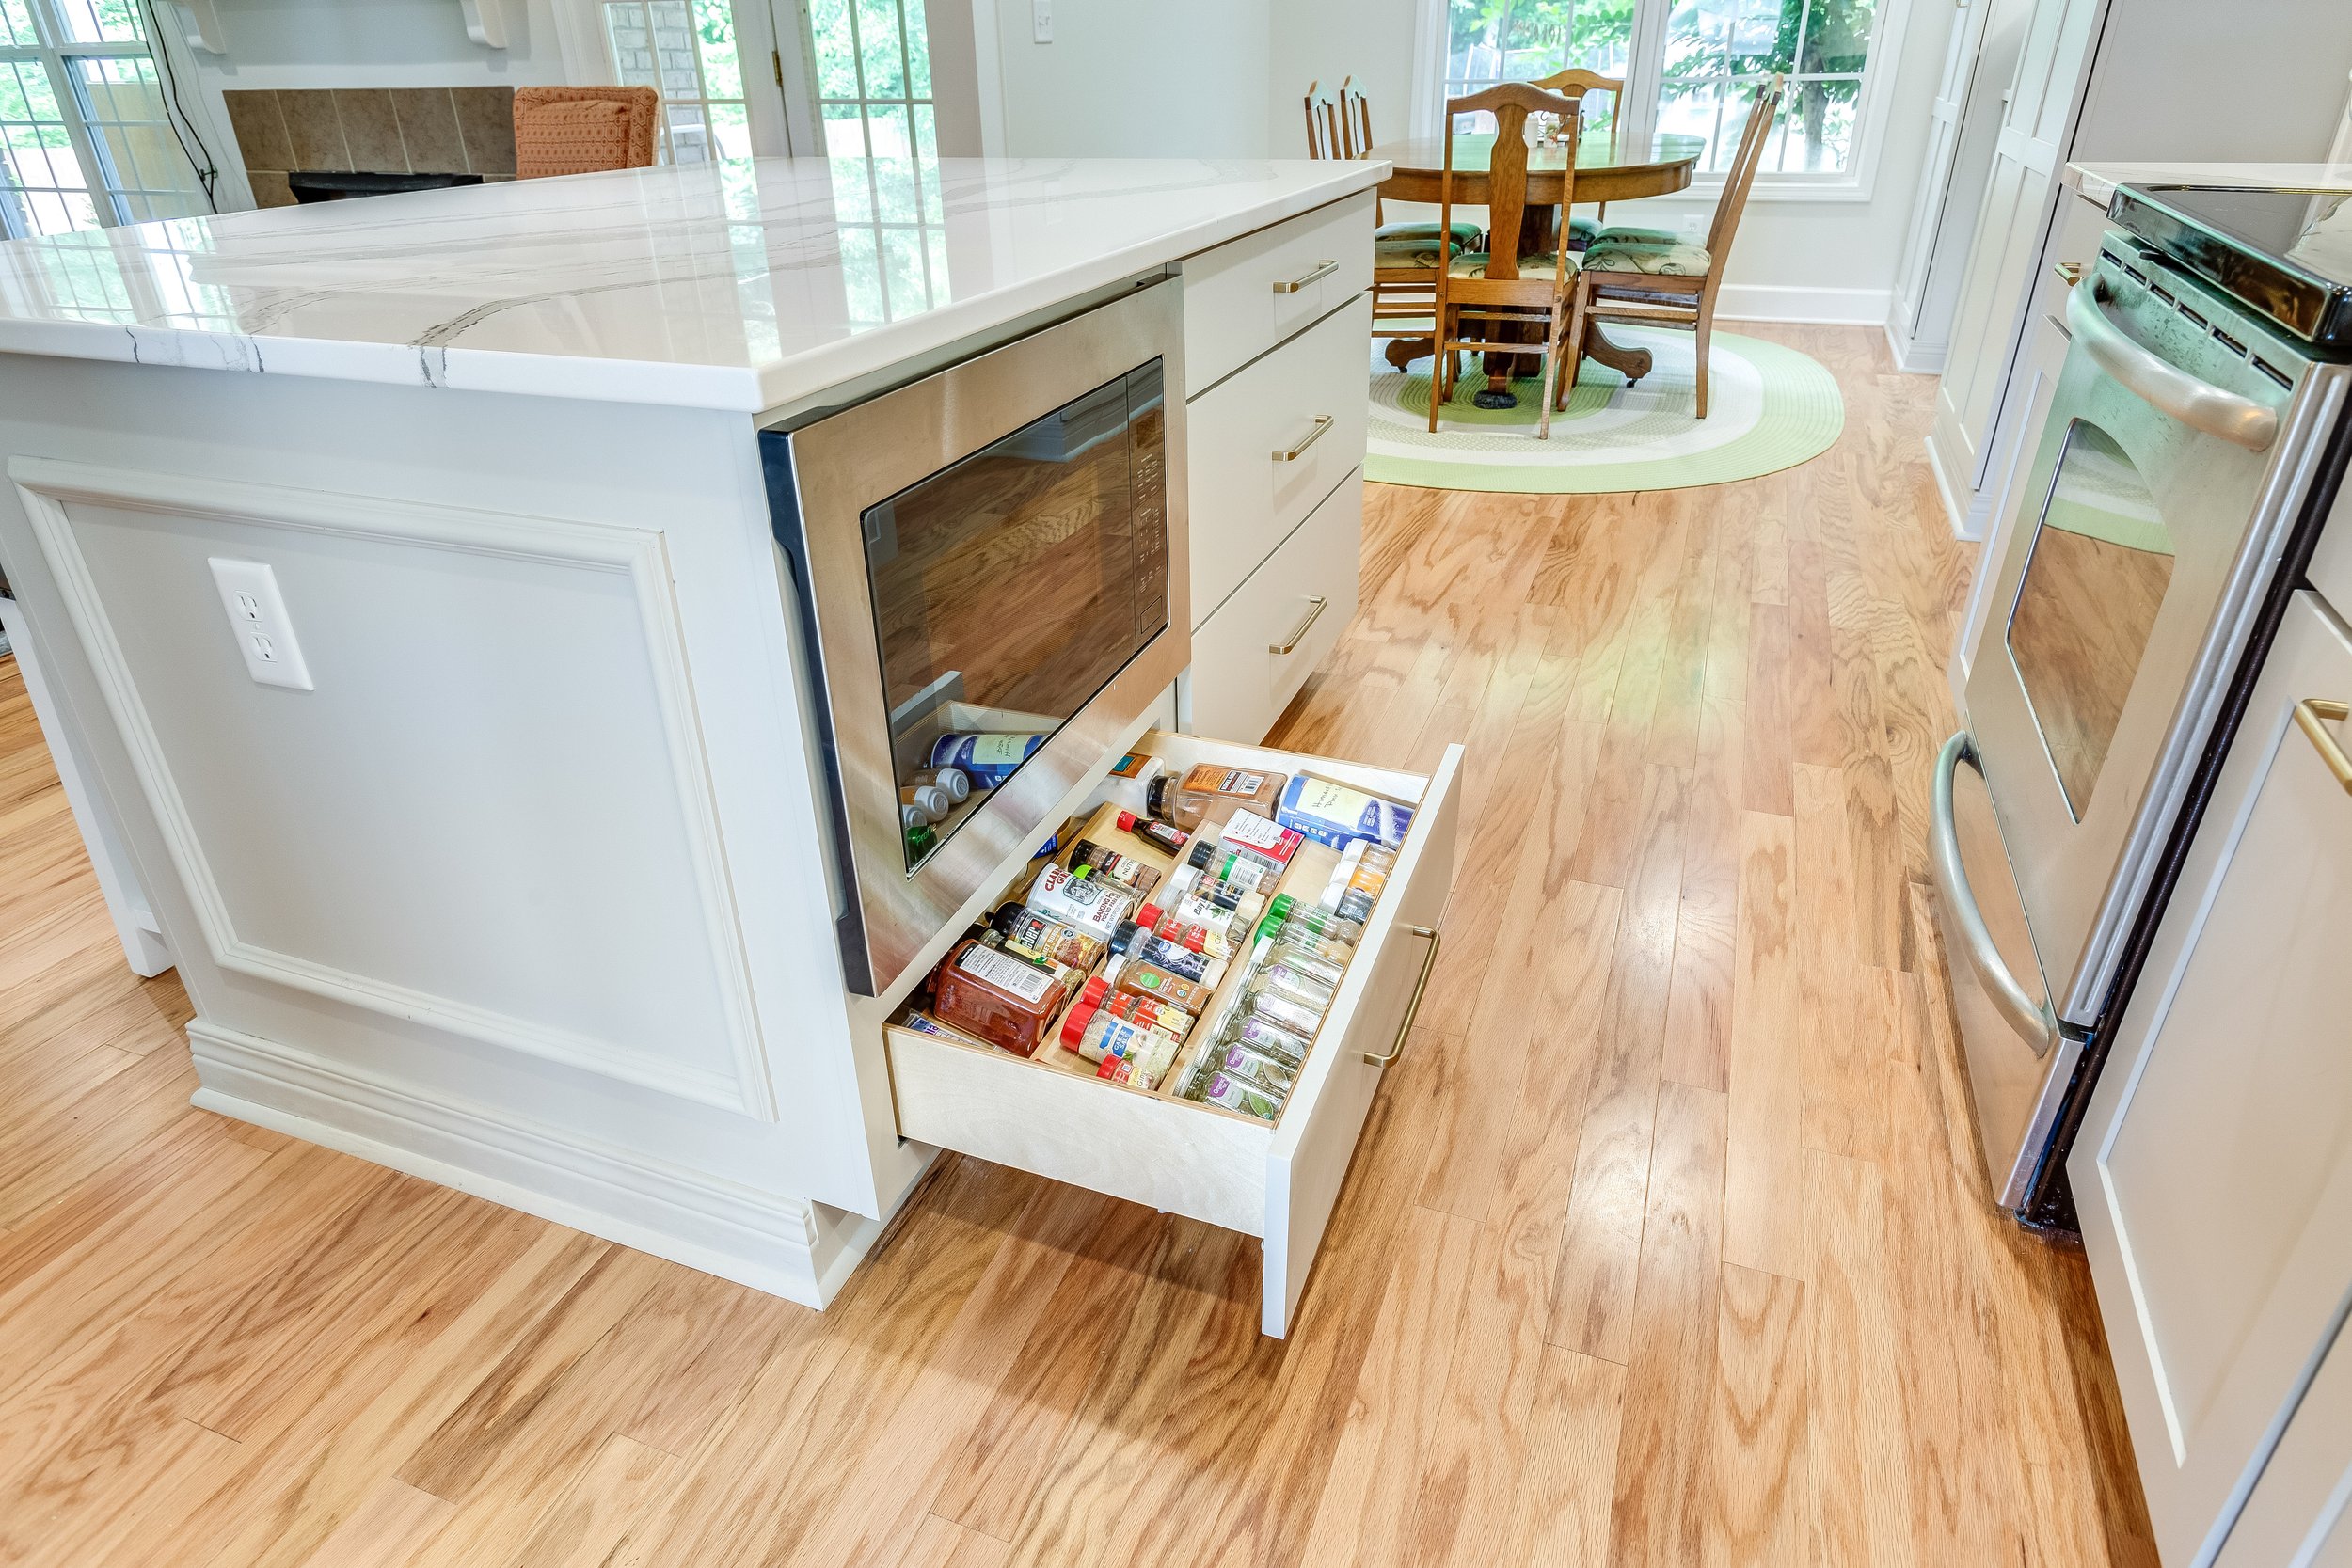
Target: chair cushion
1629,233
1465,233
1663,260
1583,232
1473,264
1405,253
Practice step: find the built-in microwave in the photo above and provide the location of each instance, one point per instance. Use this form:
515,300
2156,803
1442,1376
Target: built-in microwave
990,570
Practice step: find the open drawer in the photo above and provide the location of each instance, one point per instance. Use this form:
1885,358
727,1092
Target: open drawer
1278,1179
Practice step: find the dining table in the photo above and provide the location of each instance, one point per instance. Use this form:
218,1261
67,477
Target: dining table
1604,173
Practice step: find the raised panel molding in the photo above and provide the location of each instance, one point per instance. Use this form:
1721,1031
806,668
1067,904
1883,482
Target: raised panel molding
46,486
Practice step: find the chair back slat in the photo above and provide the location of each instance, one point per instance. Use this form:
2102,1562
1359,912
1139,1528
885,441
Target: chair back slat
1354,119
1761,115
1321,124
1576,83
1510,102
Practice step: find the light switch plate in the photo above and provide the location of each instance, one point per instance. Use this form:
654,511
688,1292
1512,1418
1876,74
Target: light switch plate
1042,21
259,622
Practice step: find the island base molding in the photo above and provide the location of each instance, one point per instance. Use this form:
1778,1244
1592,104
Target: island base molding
790,1247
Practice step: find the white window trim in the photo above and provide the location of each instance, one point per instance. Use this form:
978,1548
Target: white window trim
52,56
587,54
1646,65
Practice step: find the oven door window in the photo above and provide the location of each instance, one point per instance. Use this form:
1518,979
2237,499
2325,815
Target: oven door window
2102,559
1009,589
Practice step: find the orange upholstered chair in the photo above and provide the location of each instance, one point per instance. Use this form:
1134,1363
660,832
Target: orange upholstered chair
582,129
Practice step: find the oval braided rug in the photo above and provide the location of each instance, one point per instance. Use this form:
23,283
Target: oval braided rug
1768,408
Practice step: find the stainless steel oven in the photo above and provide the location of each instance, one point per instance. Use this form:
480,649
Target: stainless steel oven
2168,478
990,569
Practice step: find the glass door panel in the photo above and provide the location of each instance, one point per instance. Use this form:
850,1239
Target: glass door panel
2095,582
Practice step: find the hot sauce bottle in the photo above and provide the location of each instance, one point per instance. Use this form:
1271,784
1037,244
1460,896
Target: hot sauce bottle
994,996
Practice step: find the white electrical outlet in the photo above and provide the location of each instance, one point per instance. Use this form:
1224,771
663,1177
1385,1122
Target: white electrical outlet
1694,227
258,620
1042,21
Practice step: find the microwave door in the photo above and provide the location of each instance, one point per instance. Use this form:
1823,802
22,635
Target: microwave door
2145,494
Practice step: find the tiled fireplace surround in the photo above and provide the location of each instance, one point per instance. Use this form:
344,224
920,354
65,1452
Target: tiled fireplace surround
386,130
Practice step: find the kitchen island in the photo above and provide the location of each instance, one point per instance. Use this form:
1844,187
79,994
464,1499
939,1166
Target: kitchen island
404,578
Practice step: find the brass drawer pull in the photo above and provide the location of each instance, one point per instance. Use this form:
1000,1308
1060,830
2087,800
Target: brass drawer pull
1321,270
1315,607
2069,272
1323,428
1413,1009
2308,716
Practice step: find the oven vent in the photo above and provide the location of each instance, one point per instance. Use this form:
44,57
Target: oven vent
2271,370
2229,342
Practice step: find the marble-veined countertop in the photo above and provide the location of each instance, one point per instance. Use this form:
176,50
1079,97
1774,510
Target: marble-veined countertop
738,286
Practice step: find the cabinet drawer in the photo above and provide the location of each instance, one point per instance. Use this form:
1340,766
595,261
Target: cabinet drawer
1240,299
1300,599
1276,1180
2331,558
1246,492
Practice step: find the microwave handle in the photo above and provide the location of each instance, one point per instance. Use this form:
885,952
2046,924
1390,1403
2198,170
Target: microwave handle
2196,404
2027,1017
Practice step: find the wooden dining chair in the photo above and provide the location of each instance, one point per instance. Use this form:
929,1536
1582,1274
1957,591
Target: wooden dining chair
1502,290
1666,282
1405,255
1576,83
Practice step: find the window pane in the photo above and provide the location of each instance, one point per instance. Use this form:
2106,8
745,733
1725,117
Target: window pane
714,27
1815,133
1837,36
836,48
918,50
1488,42
16,23
690,136
894,162
141,159
52,189
731,130
878,48
101,21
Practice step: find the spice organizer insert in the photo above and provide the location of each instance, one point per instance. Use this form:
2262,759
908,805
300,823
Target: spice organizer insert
1304,881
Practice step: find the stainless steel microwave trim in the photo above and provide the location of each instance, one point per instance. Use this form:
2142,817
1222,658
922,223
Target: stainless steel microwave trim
2318,407
2196,404
2034,1021
842,464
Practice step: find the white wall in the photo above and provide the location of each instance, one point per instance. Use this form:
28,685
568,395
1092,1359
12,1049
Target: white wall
379,44
1795,260
1136,78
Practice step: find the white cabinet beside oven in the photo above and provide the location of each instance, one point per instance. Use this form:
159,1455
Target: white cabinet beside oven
1277,334
2214,1175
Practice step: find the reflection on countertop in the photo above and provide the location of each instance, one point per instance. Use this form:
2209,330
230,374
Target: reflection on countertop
738,285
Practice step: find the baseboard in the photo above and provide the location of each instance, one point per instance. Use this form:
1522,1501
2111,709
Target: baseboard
1914,358
786,1247
1968,518
1777,302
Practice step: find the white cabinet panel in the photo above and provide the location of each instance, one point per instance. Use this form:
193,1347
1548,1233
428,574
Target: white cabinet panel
1243,298
2296,1517
2214,1173
1266,446
1250,657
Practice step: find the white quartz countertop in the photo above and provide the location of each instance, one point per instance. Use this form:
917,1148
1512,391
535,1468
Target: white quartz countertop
2097,181
737,286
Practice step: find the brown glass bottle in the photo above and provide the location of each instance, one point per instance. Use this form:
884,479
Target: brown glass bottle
994,996
1211,793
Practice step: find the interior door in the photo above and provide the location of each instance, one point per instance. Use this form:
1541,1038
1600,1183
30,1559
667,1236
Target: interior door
2214,1173
1962,120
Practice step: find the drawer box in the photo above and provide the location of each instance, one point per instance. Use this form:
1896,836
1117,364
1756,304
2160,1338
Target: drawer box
1247,489
1301,600
1276,1180
1243,298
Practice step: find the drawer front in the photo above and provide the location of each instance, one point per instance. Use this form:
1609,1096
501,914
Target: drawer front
1280,1181
1243,298
2331,558
1299,600
1262,454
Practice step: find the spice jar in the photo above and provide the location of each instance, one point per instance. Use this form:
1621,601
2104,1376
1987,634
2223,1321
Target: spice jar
1210,793
1080,902
1108,865
1025,927
1148,979
996,997
1137,940
1094,1034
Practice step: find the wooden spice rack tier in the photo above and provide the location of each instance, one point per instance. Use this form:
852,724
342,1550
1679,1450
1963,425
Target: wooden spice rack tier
1309,872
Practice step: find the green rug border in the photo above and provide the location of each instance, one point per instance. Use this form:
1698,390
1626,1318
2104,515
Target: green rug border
1809,429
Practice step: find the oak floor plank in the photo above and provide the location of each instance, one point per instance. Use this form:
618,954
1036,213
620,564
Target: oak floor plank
1763,1198
1860,1471
1763,1407
1664,1487
585,1523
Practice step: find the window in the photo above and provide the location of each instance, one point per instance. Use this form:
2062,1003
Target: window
86,139
873,75
685,51
1691,68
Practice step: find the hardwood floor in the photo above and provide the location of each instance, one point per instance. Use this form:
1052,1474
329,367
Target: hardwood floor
1666,1245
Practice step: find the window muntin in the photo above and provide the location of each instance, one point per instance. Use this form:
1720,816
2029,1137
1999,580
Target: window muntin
873,74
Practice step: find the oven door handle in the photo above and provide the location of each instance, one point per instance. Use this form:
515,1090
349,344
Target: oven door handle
2029,1018
2196,404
